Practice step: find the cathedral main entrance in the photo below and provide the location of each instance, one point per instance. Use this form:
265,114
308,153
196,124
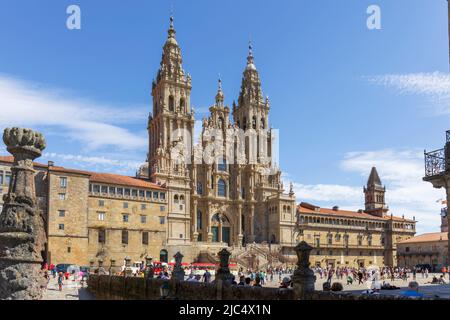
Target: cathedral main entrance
221,229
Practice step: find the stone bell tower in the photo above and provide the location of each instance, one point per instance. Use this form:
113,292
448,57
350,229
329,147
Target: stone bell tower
374,195
170,130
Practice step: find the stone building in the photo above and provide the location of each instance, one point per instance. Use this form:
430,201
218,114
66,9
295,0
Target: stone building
223,191
233,195
98,216
428,248
354,238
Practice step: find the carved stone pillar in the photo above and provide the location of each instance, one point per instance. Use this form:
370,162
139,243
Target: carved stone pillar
304,278
178,271
252,224
240,235
195,234
223,273
23,235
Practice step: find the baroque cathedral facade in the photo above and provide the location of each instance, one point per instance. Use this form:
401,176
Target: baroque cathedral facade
223,189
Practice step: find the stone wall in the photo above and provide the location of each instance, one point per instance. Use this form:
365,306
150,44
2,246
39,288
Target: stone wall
105,287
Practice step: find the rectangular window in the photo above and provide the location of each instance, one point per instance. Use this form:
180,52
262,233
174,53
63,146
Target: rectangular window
62,196
61,226
143,206
155,195
143,219
112,190
125,217
162,196
120,191
91,187
162,208
61,213
127,192
1,177
134,193
63,182
69,249
124,237
145,238
125,205
7,178
101,203
317,240
101,236
104,189
141,193
148,194
96,188
101,216
162,220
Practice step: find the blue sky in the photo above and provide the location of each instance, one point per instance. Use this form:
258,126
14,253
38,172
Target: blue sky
344,97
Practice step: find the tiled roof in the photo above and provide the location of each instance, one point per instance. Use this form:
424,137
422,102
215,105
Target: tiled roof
122,180
308,208
427,237
107,178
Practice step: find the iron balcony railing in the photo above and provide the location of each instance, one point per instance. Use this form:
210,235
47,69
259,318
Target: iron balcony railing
435,161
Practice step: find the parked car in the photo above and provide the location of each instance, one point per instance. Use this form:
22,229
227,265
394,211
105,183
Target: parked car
62,267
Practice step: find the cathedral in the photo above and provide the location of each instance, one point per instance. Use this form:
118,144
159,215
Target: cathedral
197,197
223,189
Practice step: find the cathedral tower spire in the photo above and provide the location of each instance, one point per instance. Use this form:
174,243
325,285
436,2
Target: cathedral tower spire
374,195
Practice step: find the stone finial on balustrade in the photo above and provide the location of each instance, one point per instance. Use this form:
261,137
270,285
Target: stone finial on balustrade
149,271
112,266
128,271
23,236
178,271
304,278
223,273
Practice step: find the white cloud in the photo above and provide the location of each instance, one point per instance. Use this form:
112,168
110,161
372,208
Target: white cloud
435,86
94,125
400,170
118,166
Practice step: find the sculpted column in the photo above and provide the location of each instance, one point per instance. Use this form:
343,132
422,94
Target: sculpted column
240,236
252,224
195,234
22,229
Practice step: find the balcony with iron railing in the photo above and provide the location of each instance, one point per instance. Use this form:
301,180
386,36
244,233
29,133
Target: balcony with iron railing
435,161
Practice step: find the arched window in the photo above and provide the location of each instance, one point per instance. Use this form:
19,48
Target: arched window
181,199
221,188
171,103
199,220
238,124
199,188
284,208
182,104
222,164
263,123
254,123
244,124
175,198
221,123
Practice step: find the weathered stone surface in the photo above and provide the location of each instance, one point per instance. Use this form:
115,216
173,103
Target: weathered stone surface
22,228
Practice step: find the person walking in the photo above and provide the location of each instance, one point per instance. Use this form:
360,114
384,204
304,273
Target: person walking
207,276
60,280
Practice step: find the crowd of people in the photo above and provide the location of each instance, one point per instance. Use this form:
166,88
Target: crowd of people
362,275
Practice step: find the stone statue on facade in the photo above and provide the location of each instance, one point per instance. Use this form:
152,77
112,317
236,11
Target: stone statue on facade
22,225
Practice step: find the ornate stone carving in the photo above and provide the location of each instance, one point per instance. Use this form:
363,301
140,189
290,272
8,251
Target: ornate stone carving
223,273
22,229
304,277
178,271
